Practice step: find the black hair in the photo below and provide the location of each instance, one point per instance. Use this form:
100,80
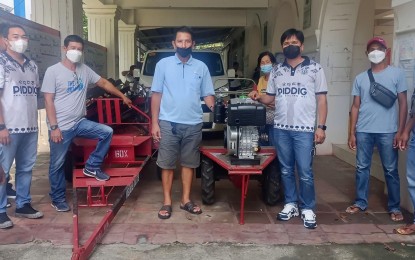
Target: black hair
292,32
184,29
5,28
132,67
2,28
266,53
73,38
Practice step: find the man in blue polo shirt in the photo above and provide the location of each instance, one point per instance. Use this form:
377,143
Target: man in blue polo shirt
295,85
179,83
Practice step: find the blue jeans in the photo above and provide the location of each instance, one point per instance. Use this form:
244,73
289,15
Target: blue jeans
23,150
365,142
86,129
295,149
410,170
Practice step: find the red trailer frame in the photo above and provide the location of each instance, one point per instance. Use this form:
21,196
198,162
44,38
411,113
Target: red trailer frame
130,150
239,174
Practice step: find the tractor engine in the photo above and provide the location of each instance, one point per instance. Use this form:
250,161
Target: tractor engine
241,134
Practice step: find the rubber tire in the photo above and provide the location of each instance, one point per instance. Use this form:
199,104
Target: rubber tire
68,167
207,181
271,184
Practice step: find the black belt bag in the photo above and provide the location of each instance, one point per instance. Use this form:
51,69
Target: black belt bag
379,93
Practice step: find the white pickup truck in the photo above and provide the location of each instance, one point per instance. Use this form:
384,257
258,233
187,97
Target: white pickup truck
213,61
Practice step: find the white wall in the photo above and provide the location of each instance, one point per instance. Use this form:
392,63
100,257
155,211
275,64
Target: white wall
62,15
404,51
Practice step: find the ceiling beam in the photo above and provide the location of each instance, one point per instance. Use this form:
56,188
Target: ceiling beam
385,15
214,4
195,32
206,39
195,18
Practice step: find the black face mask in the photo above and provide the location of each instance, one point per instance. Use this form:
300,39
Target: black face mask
184,52
291,51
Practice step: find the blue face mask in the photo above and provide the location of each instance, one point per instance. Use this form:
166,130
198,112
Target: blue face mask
266,68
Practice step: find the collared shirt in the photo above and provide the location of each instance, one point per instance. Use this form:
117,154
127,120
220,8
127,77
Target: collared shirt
295,91
19,84
373,117
182,85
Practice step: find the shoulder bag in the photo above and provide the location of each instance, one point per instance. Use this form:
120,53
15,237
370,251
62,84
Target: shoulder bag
379,93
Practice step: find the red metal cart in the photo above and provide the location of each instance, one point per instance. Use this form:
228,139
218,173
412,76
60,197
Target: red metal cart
130,150
238,174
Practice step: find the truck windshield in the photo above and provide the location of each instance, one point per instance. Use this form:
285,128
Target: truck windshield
212,60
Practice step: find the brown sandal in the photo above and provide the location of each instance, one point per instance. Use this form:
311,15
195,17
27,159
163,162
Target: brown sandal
353,209
396,216
405,230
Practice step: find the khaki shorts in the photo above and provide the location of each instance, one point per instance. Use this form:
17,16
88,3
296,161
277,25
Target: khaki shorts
179,140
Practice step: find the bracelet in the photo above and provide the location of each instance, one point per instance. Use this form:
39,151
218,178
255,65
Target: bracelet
2,127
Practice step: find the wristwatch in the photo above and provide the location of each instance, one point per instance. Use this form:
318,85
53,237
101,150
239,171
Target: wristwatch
54,127
323,127
2,127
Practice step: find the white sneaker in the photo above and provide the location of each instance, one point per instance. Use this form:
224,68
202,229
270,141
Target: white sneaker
309,218
289,211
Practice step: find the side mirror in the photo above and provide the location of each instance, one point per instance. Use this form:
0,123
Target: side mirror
136,73
231,73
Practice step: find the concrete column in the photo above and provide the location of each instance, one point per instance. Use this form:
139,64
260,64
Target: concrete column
127,45
253,42
336,50
62,15
103,30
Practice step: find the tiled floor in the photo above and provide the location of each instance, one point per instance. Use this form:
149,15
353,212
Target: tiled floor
137,221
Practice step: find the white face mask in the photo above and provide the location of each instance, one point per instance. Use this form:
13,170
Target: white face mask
74,55
18,46
376,56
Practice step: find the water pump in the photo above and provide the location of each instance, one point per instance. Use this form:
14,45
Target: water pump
242,134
